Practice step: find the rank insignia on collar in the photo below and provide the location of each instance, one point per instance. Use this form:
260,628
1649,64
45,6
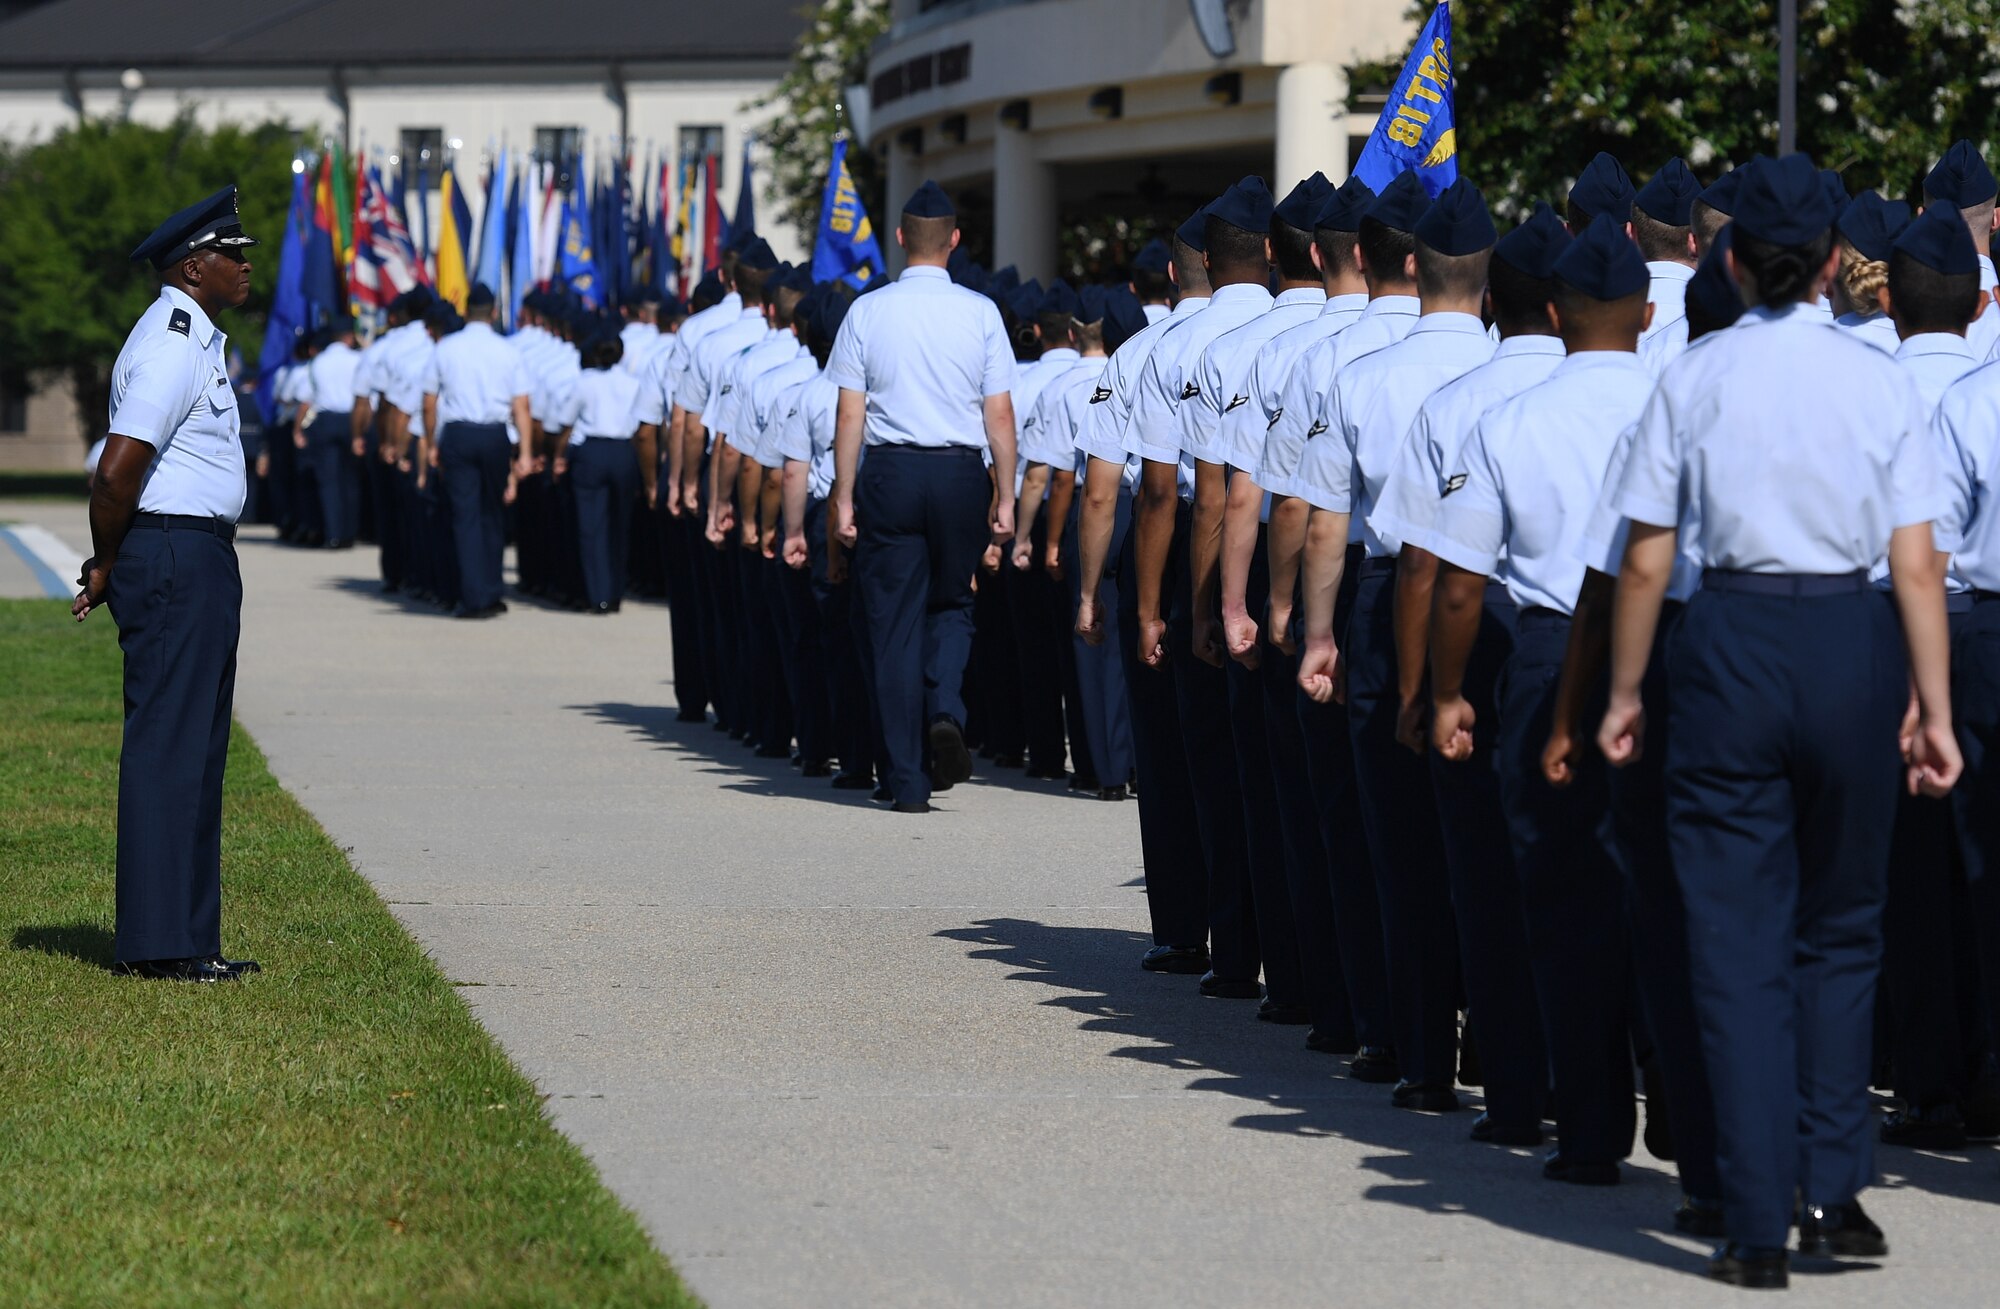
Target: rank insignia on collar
178,321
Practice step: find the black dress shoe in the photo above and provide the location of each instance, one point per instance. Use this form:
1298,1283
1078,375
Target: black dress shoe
1112,793
882,794
1329,1042
815,768
1934,1127
1752,1269
1285,1015
912,807
1374,1063
1701,1218
721,726
1084,784
691,716
951,762
1002,759
1223,988
1578,1172
1185,959
1424,1099
774,752
853,782
178,970
1488,1132
1839,1231
602,609
238,966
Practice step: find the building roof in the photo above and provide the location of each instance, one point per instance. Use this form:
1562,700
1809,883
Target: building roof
276,33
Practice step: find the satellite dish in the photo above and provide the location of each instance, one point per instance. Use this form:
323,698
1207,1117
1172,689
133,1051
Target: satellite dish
1211,19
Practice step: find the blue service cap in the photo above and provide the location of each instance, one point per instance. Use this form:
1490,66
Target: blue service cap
710,285
598,335
1603,188
210,223
800,279
1603,263
1401,203
1004,279
1722,192
1783,202
1668,195
1246,205
480,297
671,306
1457,222
1961,177
1059,299
1300,207
1836,191
1090,304
1712,293
1344,206
1192,232
929,201
1124,317
1938,239
442,318
757,255
1871,224
1532,248
1153,257
829,309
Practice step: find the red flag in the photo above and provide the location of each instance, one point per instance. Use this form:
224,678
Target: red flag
711,208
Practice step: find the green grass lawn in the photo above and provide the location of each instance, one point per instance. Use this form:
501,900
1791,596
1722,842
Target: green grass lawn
336,1131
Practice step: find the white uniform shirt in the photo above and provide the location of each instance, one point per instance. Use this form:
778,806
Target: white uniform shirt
927,354
1412,494
330,378
1369,412
601,405
1031,380
1798,448
731,410
1935,361
1519,502
368,372
671,364
1157,313
1169,381
1383,320
475,376
700,383
807,432
1984,332
1244,429
1667,335
1111,400
1877,329
773,395
404,372
639,340
1061,414
170,388
1223,375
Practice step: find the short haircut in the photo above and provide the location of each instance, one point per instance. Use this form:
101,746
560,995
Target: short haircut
1657,240
1520,302
1233,250
1926,300
1291,251
605,352
1055,328
1627,314
1455,276
705,296
1088,336
750,284
787,301
928,238
1708,222
1189,271
1336,250
1150,286
1385,248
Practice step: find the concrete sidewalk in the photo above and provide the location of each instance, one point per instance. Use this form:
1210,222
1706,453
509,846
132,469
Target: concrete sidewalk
834,1057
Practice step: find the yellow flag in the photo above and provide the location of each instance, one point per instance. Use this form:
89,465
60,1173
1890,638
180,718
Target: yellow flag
452,285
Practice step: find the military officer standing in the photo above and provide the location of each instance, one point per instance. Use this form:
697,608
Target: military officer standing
163,510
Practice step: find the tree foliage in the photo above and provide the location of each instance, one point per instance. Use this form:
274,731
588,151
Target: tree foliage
832,55
72,207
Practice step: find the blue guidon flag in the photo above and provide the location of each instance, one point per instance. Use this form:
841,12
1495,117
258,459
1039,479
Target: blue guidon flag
845,248
1417,128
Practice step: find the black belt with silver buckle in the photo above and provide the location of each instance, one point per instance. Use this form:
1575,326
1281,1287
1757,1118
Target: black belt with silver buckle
221,527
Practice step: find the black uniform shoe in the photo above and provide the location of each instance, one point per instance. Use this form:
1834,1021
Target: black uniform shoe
1424,1099
1223,988
178,970
691,716
1329,1042
774,752
1934,1127
815,768
1702,1218
853,782
1488,1132
1374,1063
1112,793
1839,1231
1578,1172
1004,760
1084,784
1752,1269
882,794
1285,1015
951,762
1188,959
912,807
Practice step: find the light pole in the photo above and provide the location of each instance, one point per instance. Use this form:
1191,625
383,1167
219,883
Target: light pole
1788,76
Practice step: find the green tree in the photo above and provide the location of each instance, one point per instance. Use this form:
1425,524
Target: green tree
832,55
73,207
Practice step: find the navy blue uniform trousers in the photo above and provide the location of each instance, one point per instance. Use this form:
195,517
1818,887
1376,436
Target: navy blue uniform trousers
922,520
472,460
1781,791
177,598
604,479
855,741
1100,672
327,453
1975,677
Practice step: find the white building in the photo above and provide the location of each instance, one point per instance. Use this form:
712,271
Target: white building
1039,112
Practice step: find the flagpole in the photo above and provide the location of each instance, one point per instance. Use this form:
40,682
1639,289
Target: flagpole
1788,76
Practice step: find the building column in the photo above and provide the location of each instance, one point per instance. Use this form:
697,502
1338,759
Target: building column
1312,124
1024,205
906,174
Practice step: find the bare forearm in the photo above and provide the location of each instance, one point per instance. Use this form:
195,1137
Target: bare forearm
1205,537
646,449
1032,486
1239,543
1062,494
1917,572
1325,563
1153,526
1635,616
1101,482
796,473
1285,543
1454,626
1583,657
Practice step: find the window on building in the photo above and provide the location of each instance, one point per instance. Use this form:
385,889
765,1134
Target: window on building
701,141
420,153
559,146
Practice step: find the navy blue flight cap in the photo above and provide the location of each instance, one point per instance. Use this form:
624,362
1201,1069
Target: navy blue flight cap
442,318
1401,203
1344,207
1783,202
757,255
1124,317
1090,304
1457,222
1300,209
739,240
670,306
929,201
1939,240
1668,195
1193,232
1060,299
1871,225
1712,293
210,223
710,285
1603,263
1836,190
480,297
1603,188
1722,192
1961,178
1246,205
829,311
1004,279
1532,248
1153,257
801,279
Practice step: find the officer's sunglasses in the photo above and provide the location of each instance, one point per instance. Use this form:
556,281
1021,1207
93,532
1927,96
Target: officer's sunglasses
233,254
